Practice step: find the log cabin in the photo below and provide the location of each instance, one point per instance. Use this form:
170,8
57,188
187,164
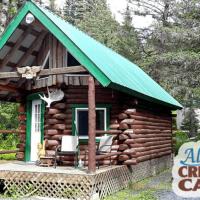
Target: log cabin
104,93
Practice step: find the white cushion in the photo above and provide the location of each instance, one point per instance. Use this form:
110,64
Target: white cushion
69,143
105,140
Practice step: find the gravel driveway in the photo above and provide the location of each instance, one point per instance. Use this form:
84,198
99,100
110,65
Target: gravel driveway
162,186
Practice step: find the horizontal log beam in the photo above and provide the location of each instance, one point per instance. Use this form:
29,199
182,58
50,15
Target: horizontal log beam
9,151
47,72
100,132
11,131
61,70
10,88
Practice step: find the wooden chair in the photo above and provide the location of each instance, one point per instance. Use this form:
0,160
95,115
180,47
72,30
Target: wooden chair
69,146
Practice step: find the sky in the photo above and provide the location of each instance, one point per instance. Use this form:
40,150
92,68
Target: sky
118,6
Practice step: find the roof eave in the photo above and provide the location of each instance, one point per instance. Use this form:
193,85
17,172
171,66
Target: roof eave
145,97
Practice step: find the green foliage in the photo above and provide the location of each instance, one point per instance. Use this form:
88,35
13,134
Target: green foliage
8,9
95,18
181,138
10,156
190,123
8,121
128,43
99,24
74,10
171,46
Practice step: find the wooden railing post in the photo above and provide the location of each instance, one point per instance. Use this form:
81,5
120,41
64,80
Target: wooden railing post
91,126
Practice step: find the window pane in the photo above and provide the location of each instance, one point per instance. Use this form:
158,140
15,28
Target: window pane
82,120
100,120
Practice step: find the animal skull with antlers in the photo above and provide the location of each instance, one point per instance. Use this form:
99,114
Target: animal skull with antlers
55,95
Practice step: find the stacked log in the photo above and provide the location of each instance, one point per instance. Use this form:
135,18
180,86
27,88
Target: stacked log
55,126
145,136
22,135
79,95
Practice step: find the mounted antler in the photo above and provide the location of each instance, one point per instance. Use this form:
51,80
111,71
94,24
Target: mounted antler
55,95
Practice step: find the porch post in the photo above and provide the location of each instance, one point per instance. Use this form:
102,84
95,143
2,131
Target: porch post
91,126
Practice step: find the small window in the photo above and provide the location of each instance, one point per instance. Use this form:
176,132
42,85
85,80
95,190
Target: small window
81,119
71,61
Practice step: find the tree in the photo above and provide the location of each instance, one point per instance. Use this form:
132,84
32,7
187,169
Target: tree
74,10
190,123
129,44
171,50
99,23
8,9
52,5
160,10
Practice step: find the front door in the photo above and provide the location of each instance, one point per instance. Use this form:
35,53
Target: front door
35,129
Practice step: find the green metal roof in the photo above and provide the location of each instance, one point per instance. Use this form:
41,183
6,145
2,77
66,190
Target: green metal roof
108,67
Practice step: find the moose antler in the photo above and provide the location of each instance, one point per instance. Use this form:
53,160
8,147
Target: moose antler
55,95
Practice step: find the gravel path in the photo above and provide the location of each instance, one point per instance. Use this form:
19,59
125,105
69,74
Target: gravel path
162,184
170,195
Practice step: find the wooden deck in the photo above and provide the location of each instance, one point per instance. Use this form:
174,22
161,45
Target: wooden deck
26,179
19,166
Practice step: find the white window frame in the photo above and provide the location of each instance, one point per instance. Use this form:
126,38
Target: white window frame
86,109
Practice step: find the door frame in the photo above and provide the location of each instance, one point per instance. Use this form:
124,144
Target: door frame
29,100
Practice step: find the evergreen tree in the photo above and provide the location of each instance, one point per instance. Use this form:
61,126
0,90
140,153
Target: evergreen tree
8,9
99,24
171,48
129,45
74,10
190,123
69,11
52,5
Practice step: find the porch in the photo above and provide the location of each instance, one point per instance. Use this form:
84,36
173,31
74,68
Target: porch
26,179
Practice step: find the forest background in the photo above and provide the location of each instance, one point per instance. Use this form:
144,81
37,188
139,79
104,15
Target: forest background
168,49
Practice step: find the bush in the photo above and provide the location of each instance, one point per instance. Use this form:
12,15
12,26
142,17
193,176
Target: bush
181,138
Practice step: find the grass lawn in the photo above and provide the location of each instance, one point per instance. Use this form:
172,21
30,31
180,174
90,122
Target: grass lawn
128,195
144,190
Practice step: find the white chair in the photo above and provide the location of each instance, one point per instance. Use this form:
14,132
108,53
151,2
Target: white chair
104,147
69,146
105,144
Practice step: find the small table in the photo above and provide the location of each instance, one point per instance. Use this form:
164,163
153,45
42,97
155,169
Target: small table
46,161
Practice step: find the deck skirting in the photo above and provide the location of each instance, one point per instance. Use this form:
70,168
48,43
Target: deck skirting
62,185
80,186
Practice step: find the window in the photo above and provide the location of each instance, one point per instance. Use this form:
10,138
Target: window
37,117
81,120
71,61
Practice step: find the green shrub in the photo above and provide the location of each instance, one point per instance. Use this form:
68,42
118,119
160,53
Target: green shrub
181,138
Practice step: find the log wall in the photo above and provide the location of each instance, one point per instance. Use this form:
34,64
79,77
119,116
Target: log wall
141,130
146,135
58,118
139,133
